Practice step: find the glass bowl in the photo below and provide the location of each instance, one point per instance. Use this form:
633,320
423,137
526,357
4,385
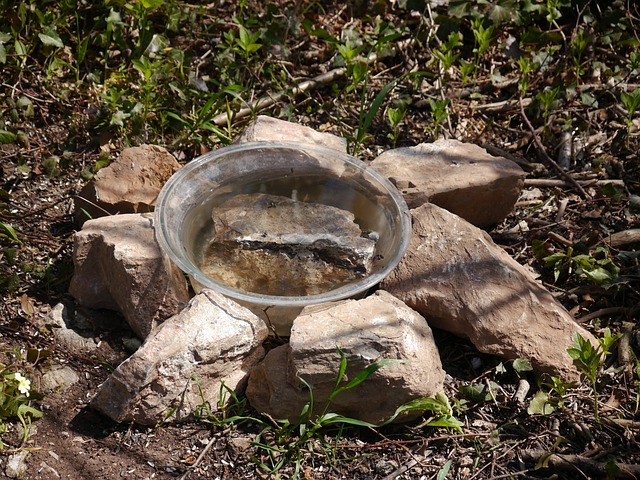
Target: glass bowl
327,186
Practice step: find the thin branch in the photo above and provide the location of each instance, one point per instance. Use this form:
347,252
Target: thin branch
578,464
542,152
323,79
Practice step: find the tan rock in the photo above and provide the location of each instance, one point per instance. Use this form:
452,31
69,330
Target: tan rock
462,282
129,185
368,330
119,266
460,177
269,129
212,339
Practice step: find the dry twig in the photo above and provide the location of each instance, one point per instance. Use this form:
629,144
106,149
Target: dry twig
578,464
542,152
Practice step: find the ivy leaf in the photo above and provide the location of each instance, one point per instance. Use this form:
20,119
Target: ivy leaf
540,404
51,40
522,365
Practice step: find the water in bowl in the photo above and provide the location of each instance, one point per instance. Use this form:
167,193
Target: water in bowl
287,273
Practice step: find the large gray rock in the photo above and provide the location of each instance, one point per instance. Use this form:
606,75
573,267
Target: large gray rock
128,185
213,339
119,266
462,282
368,330
271,129
460,177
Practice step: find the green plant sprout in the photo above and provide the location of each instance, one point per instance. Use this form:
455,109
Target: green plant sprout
395,115
546,402
445,53
589,358
526,66
599,267
631,103
579,44
483,38
439,114
547,98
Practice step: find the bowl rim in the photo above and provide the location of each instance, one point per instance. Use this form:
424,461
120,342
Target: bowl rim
346,291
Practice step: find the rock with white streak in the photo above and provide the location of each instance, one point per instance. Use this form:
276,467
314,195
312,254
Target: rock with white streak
213,340
119,266
369,330
460,177
269,129
462,282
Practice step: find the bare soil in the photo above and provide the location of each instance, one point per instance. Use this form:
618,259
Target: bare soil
501,439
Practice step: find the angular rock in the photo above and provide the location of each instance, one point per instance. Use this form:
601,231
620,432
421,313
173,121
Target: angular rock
59,379
119,266
462,282
16,464
287,246
75,338
213,339
368,330
271,129
128,185
460,177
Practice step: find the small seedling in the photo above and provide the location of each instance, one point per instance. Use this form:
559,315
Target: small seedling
588,359
395,115
631,103
597,267
439,114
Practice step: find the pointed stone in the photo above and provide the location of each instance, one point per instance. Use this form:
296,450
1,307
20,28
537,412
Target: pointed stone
369,330
460,177
462,282
213,340
119,266
269,129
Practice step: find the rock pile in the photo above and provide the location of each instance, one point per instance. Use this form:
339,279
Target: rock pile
453,278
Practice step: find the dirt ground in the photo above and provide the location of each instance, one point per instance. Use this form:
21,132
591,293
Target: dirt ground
500,438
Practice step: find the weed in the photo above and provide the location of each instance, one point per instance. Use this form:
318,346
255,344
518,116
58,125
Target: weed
589,358
483,37
598,266
395,115
631,103
439,114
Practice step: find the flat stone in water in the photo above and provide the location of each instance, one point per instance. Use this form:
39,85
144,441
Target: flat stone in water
276,245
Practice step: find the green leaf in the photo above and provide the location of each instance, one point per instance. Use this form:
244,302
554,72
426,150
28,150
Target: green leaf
8,232
540,404
444,471
3,54
522,365
475,393
24,410
7,137
51,40
364,374
446,421
333,418
372,111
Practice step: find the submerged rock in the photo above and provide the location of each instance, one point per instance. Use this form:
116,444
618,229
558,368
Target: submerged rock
280,246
